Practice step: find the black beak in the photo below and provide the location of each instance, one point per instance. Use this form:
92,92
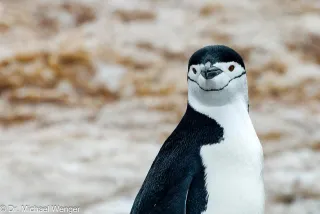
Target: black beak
211,72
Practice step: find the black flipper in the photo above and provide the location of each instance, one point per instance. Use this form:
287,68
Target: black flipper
175,200
197,195
165,188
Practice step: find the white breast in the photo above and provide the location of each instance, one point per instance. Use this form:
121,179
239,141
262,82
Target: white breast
234,166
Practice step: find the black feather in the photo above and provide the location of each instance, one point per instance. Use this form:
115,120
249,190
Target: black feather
175,183
214,54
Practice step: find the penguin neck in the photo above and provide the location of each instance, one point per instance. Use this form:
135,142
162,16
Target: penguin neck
237,107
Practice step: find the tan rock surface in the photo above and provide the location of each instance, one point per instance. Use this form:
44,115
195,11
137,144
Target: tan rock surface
90,89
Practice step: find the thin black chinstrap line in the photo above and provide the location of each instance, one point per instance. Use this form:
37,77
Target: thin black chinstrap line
219,89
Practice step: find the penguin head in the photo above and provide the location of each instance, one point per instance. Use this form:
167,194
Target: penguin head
216,76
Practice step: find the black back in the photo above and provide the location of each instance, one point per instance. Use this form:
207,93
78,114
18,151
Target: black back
175,183
213,54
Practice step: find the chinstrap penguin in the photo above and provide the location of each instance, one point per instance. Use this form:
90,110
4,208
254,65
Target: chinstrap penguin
212,162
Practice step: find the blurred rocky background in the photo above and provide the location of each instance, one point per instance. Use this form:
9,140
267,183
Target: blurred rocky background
90,89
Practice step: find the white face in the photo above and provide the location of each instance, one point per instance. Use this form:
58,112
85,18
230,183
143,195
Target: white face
228,82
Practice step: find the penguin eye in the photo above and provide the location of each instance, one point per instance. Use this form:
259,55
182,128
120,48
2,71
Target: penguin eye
231,68
194,70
